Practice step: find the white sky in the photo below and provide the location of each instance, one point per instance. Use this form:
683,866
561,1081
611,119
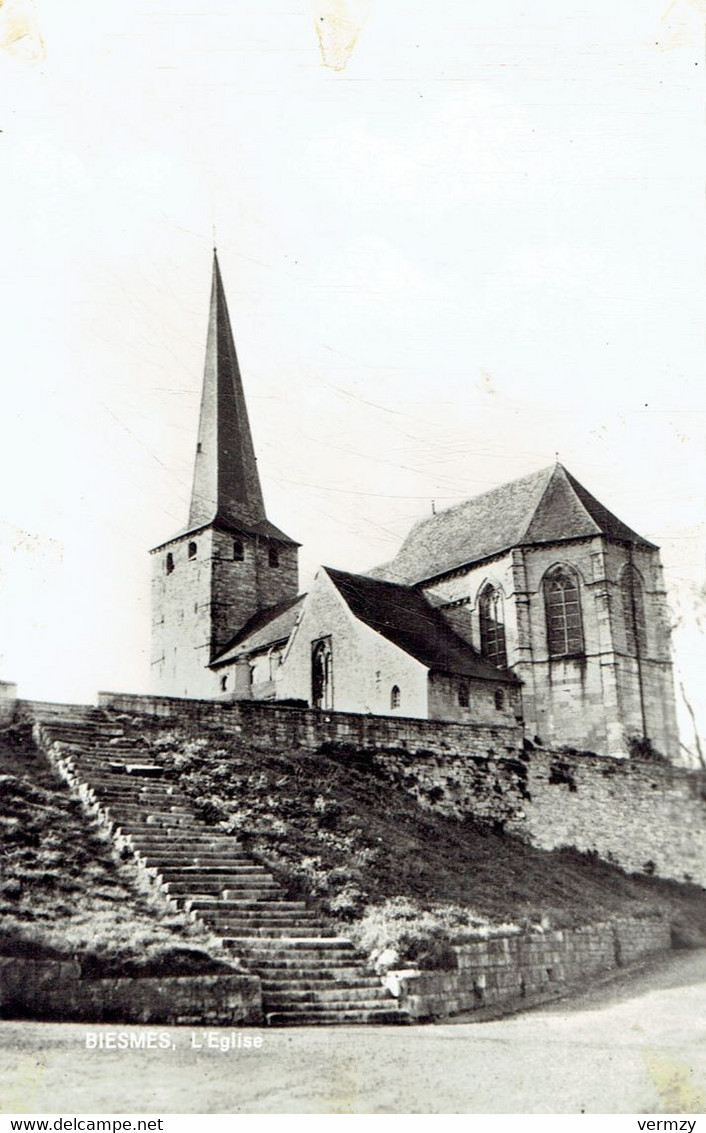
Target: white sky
477,243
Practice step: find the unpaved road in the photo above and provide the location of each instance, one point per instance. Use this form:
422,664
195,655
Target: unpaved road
636,1045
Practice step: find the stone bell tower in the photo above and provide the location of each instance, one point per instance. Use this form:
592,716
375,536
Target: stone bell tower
229,562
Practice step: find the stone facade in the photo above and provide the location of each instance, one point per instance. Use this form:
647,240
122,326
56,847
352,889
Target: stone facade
205,587
366,667
599,698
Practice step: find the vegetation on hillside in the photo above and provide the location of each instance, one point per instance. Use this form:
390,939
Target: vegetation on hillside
64,894
395,875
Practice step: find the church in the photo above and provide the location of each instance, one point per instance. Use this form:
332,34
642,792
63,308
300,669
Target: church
531,603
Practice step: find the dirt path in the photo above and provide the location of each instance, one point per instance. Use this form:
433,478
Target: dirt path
637,1045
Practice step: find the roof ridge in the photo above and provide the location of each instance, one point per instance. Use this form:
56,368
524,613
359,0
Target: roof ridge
482,495
369,578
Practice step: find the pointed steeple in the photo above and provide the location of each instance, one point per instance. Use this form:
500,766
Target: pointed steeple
226,486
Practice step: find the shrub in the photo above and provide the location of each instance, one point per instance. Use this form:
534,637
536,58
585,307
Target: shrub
399,932
641,747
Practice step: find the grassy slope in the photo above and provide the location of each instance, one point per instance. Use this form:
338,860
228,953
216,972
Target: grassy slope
364,849
62,893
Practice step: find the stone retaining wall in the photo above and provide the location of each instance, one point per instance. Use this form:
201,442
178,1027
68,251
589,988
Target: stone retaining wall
282,726
54,990
506,973
645,816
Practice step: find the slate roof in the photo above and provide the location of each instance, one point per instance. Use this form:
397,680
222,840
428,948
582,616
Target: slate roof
266,628
226,488
549,506
405,617
223,523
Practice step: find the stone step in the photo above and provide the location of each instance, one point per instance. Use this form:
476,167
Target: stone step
124,829
113,796
311,981
173,860
149,814
274,916
309,946
273,913
185,843
249,893
236,907
327,1006
95,757
305,967
136,802
237,889
237,872
340,971
263,932
300,965
206,888
313,1018
84,729
287,998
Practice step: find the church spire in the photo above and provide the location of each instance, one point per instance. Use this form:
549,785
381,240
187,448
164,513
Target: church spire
226,488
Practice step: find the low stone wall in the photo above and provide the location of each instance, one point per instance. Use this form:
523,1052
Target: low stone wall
54,990
506,973
282,726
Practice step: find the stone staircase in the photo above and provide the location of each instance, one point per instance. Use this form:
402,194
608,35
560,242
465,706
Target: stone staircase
309,975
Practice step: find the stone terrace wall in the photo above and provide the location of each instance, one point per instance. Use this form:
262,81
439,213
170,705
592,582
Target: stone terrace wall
282,726
508,972
54,990
644,816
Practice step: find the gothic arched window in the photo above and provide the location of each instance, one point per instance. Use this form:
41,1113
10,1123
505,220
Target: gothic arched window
238,550
193,549
499,699
562,604
321,674
170,562
492,626
633,611
395,697
464,694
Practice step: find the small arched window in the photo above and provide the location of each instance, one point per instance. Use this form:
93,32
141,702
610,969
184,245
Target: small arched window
169,562
273,556
395,697
238,550
321,673
224,683
492,626
499,699
192,550
464,694
562,604
633,605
